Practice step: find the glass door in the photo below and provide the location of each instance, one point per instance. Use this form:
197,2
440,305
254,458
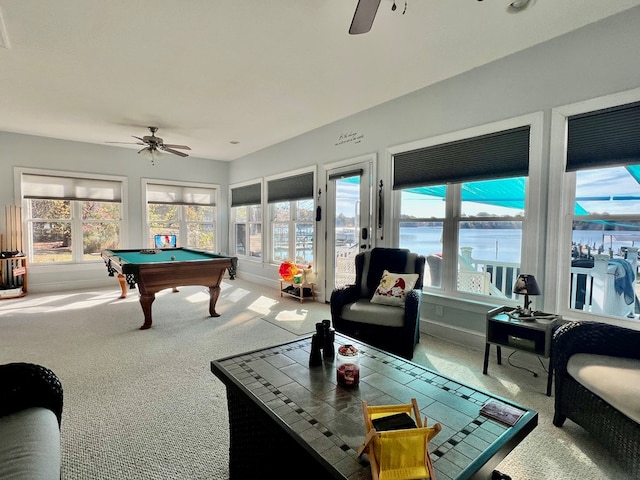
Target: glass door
348,222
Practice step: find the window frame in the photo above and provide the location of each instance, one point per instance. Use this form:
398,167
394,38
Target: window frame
183,224
269,207
76,221
533,239
562,186
233,223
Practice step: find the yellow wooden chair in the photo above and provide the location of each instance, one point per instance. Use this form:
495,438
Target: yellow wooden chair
401,453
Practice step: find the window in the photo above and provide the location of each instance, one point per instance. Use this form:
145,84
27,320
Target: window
601,212
292,218
463,203
246,219
185,210
70,219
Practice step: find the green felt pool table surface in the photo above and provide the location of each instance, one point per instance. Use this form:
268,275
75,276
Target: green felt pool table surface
164,255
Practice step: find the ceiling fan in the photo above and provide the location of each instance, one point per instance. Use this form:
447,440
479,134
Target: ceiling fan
363,17
365,14
154,144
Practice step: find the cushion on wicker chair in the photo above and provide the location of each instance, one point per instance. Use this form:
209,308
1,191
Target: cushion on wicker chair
616,380
366,312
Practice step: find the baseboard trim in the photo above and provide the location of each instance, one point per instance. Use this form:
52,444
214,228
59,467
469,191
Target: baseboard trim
457,335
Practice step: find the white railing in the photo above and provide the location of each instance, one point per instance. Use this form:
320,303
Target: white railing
498,277
593,289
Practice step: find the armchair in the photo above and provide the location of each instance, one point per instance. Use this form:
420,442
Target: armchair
395,329
597,374
30,416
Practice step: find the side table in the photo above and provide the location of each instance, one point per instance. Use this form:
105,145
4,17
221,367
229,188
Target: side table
298,290
505,328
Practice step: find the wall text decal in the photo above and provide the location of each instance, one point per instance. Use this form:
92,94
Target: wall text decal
350,137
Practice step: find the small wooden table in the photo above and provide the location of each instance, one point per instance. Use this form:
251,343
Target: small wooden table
298,290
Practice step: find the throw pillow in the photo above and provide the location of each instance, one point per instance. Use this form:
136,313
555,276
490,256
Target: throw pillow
393,288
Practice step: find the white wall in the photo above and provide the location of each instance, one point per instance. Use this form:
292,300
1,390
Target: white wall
18,150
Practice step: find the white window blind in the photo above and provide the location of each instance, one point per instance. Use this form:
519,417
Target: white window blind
70,188
180,195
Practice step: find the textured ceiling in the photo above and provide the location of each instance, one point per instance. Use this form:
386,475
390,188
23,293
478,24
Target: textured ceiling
257,72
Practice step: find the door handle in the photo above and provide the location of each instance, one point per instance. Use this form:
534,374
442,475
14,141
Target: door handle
365,233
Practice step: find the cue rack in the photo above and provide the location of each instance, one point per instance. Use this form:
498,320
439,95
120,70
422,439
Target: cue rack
13,263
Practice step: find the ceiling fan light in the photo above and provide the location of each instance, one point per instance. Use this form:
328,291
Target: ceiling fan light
146,153
518,5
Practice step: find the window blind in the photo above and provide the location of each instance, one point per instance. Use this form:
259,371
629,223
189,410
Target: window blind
297,187
607,137
180,195
495,155
351,173
53,187
246,195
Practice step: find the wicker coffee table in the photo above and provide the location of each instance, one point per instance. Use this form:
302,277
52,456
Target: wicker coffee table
283,413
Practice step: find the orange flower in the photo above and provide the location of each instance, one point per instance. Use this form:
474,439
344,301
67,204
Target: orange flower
287,270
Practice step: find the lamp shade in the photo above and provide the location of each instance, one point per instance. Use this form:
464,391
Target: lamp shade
526,285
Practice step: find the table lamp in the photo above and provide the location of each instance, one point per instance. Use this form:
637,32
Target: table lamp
526,285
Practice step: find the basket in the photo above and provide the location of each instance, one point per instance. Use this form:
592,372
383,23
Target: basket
401,452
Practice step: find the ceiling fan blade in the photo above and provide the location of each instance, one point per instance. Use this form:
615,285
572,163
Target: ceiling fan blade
141,139
128,143
143,149
363,17
184,147
175,152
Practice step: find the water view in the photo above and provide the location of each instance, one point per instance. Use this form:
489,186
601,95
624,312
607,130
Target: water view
504,244
488,244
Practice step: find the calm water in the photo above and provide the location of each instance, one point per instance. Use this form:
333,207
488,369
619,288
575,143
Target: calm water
492,244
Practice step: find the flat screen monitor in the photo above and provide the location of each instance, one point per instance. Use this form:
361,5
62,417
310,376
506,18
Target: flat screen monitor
165,241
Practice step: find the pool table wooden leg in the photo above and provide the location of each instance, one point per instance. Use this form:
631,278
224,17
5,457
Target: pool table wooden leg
146,300
123,285
214,293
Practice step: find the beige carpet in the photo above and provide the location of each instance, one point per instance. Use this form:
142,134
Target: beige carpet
145,405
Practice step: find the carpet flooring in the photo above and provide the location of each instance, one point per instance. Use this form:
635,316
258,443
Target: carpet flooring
143,404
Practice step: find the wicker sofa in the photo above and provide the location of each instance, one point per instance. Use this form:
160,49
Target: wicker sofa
30,418
597,374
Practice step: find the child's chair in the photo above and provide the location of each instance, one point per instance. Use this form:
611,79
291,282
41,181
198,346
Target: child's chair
402,451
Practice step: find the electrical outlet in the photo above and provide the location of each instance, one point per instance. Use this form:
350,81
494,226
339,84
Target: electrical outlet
439,310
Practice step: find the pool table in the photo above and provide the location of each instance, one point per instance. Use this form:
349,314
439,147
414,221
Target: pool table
154,270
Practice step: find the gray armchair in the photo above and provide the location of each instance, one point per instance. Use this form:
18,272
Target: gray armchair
395,329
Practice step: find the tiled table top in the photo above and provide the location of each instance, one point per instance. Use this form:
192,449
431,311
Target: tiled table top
307,402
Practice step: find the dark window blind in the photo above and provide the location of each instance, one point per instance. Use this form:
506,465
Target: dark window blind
297,187
602,138
496,155
247,195
351,173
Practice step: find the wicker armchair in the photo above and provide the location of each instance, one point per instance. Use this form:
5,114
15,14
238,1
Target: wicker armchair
615,430
30,419
395,329
25,385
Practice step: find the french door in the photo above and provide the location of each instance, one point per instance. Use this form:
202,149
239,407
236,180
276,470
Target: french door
348,221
